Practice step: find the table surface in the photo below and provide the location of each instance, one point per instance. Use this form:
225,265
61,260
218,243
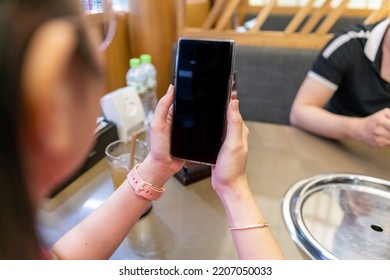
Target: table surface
189,221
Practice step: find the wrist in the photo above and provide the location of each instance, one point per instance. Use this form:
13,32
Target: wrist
232,188
241,208
154,172
354,129
143,188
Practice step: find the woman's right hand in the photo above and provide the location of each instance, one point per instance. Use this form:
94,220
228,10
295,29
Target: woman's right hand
229,170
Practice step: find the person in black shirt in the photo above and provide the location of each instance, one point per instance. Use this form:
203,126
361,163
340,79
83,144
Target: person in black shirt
346,94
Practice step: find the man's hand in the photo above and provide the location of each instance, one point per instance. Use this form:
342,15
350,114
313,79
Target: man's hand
374,130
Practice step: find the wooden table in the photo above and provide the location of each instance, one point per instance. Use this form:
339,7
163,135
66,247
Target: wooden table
189,222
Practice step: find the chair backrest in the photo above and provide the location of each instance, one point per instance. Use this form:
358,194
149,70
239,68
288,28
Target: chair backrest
268,79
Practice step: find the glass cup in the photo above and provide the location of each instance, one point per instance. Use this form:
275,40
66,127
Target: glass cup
118,155
152,238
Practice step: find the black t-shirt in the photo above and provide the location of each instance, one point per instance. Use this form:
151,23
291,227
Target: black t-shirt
350,64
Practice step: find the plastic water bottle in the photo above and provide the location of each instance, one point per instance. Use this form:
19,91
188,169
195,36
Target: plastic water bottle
149,71
136,77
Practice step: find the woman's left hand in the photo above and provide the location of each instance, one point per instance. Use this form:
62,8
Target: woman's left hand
160,133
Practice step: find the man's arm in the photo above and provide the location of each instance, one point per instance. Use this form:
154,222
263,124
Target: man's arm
308,113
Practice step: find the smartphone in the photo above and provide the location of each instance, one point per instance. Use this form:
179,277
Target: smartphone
203,83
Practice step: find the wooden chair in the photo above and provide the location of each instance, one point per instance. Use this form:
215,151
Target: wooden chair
310,26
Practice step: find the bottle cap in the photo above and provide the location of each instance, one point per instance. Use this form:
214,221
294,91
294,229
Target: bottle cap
146,58
134,62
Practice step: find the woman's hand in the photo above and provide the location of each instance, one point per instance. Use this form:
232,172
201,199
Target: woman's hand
159,165
229,170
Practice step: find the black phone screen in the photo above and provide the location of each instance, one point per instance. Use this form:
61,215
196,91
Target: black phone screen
203,80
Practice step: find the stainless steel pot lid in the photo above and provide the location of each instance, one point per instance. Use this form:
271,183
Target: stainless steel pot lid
339,216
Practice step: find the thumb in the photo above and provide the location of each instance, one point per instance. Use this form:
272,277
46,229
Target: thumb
234,123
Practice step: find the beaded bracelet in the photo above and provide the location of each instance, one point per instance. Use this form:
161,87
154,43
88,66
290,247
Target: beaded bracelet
259,225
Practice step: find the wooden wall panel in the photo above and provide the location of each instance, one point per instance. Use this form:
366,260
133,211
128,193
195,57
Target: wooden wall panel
152,29
118,55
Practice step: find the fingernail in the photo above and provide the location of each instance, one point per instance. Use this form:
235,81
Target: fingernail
170,88
235,104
